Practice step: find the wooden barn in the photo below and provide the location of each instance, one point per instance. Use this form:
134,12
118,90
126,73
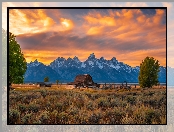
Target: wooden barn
84,80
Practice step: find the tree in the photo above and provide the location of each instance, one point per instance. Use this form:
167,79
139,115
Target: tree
57,82
46,79
17,62
149,69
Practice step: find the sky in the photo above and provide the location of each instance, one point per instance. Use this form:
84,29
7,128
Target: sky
127,34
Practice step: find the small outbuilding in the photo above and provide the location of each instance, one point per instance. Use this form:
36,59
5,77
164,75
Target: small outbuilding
43,84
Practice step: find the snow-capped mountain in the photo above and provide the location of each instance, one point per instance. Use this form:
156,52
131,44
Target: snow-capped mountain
34,63
101,70
37,71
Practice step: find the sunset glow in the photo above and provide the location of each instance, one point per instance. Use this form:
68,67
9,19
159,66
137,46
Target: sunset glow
127,34
66,24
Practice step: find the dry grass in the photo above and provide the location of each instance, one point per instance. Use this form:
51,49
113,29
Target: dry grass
87,106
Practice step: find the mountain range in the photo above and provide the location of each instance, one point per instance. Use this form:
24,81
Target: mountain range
101,70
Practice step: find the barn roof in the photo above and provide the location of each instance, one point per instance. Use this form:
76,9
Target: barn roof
82,78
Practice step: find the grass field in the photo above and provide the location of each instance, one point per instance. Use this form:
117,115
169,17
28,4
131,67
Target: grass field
87,106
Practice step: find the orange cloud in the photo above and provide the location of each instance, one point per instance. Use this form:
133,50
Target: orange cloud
128,14
97,18
120,20
45,56
67,24
128,35
135,58
158,17
29,21
141,19
37,20
95,30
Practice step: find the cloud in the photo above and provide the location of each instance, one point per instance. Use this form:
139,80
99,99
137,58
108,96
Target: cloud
108,33
32,21
37,20
94,30
122,19
95,18
131,30
66,45
68,24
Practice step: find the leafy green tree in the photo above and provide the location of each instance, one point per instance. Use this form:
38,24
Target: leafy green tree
46,79
17,62
149,69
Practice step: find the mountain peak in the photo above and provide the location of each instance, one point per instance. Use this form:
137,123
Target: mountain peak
102,59
35,63
92,56
114,59
76,59
60,59
69,58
